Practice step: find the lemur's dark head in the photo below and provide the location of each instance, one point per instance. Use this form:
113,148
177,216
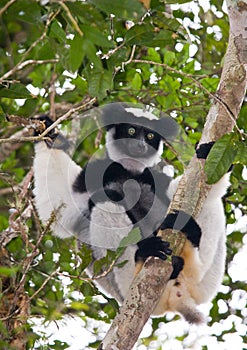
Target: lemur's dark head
134,136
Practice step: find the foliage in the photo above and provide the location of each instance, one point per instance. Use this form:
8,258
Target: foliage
55,55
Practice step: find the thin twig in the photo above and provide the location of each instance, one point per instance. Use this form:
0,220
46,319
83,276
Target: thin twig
112,51
84,279
26,266
56,123
105,272
131,57
71,18
6,6
24,64
67,115
52,96
44,283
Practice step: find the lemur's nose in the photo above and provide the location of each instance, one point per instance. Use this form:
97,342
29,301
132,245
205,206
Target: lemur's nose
141,146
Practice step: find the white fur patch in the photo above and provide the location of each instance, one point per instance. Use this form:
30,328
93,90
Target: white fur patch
54,174
138,112
109,224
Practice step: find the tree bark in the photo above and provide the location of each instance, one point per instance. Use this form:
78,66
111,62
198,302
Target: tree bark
149,285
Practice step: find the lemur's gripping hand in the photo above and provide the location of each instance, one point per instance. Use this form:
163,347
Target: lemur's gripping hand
204,149
152,246
56,140
155,246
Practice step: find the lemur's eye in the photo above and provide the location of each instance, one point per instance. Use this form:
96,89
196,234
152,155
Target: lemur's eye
150,135
131,131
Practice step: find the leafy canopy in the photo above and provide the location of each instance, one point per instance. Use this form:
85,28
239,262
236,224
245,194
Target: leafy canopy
55,55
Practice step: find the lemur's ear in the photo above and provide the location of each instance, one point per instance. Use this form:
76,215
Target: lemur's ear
112,114
166,127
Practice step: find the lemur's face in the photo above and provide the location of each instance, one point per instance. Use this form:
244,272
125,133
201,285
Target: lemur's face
136,141
134,146
135,137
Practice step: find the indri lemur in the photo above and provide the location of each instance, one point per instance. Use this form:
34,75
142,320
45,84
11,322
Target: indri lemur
101,204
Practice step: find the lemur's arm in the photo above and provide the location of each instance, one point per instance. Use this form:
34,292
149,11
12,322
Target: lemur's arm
54,174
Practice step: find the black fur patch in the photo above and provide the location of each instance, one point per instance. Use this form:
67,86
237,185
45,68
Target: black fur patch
98,174
181,221
47,122
57,140
104,196
109,181
178,264
80,184
204,149
91,178
152,246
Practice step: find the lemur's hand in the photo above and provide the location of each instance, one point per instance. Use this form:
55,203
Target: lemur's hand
152,246
155,246
55,139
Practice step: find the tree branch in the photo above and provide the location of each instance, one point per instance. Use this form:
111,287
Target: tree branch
42,136
6,6
150,283
24,64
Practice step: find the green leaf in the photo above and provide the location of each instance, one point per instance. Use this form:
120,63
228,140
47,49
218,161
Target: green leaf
133,237
99,83
211,83
57,32
242,120
2,113
29,107
173,24
164,37
136,81
96,36
220,158
104,263
15,91
91,52
8,271
241,156
86,256
46,51
127,9
153,55
76,52
169,57
81,85
139,34
25,11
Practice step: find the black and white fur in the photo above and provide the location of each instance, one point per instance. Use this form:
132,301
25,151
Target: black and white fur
101,204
